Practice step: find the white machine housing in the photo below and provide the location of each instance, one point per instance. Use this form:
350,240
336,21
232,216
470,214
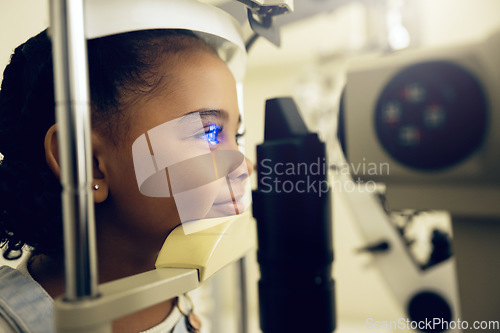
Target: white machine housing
469,188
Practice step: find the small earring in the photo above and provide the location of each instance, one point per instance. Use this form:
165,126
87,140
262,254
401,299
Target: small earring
96,187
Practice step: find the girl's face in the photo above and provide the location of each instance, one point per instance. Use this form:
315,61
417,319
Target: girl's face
179,161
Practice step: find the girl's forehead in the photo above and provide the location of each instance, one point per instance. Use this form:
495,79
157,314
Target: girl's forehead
198,82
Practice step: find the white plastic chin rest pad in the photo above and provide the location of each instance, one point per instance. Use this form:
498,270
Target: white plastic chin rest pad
210,249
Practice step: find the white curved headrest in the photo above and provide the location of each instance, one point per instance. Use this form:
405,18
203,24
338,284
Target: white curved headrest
215,26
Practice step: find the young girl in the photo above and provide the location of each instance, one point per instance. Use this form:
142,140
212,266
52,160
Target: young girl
138,81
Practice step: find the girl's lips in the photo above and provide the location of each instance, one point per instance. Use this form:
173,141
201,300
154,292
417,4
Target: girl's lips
230,207
226,209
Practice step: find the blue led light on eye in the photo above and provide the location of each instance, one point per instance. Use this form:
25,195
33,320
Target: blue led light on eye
212,134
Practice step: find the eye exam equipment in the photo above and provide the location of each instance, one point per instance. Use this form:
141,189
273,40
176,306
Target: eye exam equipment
72,22
295,251
269,27
104,292
432,116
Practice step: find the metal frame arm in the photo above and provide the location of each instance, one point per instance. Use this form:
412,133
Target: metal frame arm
121,297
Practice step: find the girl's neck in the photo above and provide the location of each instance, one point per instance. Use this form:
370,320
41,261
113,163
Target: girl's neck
121,253
113,264
49,273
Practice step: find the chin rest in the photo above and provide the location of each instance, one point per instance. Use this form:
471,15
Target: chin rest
208,250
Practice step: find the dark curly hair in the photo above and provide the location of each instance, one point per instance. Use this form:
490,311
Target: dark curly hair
121,67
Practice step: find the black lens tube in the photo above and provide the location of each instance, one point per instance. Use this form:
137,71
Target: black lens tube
292,206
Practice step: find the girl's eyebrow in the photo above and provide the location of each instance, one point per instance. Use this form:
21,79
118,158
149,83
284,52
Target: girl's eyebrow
222,114
217,113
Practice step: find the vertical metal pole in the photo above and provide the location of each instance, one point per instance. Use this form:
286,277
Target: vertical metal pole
243,327
241,264
69,54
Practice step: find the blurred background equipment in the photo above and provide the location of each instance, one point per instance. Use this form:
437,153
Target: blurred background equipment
432,116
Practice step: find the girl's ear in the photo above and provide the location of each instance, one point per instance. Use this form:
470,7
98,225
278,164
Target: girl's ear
99,184
52,151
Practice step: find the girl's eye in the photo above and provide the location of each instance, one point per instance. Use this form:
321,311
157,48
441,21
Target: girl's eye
212,133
